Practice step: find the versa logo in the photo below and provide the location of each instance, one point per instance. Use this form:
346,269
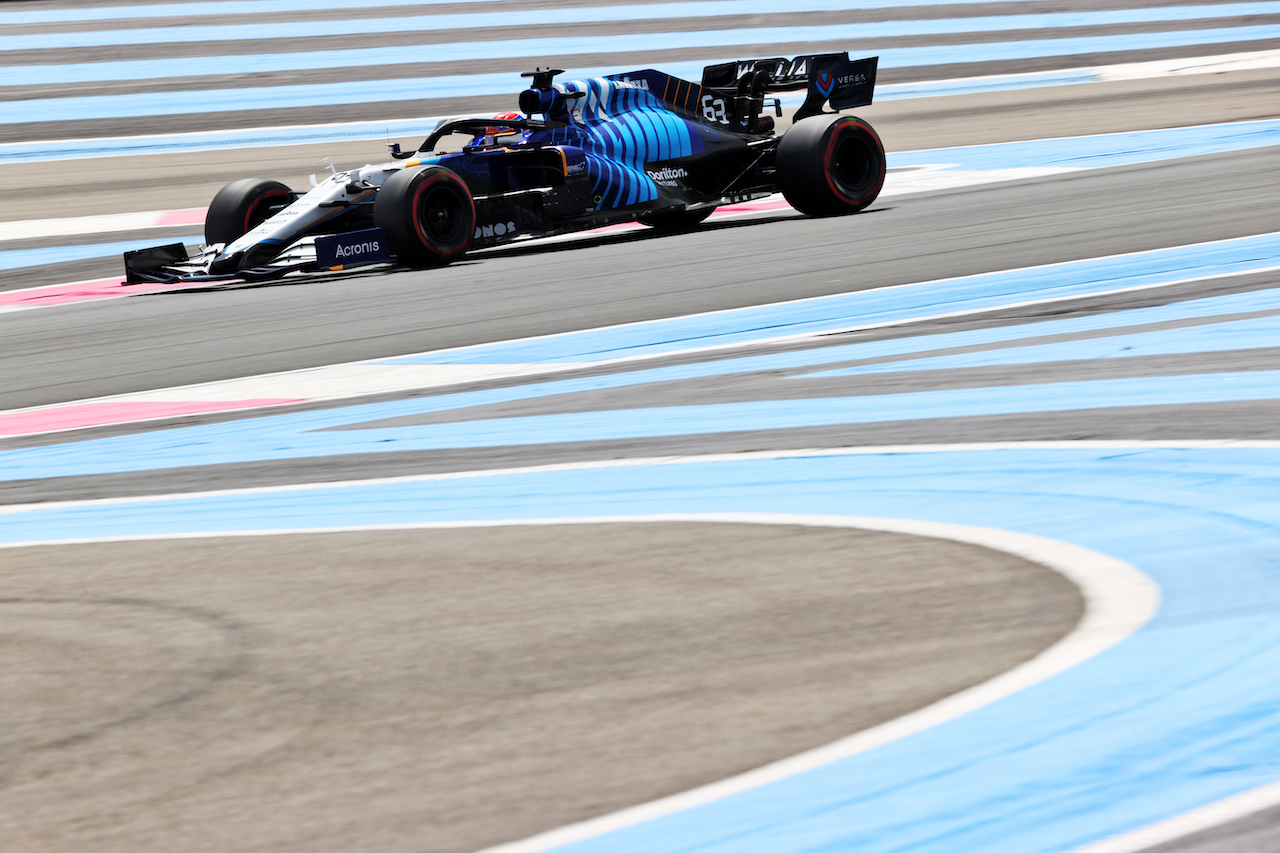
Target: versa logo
825,83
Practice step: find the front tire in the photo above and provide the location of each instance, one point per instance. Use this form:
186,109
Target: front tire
428,215
243,205
830,165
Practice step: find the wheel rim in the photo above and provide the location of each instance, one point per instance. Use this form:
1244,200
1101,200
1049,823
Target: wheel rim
854,164
442,216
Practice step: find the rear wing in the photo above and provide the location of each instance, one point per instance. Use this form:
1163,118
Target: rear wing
828,77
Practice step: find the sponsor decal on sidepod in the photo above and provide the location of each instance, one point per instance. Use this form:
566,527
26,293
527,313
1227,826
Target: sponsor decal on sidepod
668,177
497,229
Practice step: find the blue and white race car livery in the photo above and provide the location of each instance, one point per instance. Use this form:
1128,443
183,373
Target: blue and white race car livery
640,146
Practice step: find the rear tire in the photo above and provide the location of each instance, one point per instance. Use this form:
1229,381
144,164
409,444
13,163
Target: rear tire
243,205
675,220
830,164
428,215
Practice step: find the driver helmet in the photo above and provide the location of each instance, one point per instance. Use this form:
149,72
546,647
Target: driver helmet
494,132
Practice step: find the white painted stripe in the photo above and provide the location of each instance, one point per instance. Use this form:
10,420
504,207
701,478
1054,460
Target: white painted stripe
344,381
1197,820
1221,64
34,229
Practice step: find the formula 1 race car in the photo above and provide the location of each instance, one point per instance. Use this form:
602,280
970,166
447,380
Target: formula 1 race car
642,146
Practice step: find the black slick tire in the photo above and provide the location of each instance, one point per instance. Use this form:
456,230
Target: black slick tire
675,220
828,165
243,205
427,214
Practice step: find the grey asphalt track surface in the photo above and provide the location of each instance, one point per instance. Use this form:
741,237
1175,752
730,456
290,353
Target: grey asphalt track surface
218,695
74,352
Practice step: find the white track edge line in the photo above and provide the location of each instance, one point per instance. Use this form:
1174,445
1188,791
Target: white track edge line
1206,817
1119,600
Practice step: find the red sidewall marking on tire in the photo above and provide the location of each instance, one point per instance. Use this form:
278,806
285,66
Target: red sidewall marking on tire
422,187
828,157
257,204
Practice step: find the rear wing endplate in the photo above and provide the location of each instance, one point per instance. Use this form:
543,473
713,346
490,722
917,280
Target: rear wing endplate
829,78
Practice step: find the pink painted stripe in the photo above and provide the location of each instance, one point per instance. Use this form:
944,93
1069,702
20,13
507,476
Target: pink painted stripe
190,216
82,415
751,207
81,291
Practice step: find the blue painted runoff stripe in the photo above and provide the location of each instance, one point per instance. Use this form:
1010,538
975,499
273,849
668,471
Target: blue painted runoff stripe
216,8
79,149
637,13
305,435
1183,713
1092,152
245,437
76,149
476,85
864,308
1232,303
1232,336
13,259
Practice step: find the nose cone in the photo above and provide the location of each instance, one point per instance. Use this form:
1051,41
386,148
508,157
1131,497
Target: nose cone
254,256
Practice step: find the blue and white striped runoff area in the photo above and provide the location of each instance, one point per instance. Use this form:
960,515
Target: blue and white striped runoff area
1104,730
278,62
